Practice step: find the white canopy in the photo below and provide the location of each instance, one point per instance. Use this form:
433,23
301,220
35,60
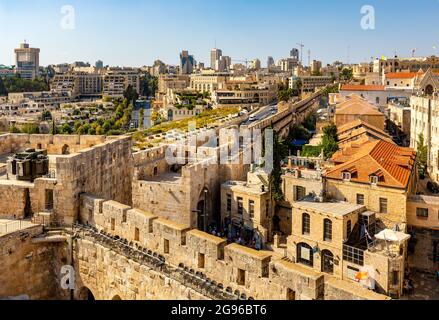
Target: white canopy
394,236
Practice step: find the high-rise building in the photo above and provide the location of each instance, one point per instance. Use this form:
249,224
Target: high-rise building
270,62
99,64
215,56
187,62
223,64
27,61
256,64
316,66
295,54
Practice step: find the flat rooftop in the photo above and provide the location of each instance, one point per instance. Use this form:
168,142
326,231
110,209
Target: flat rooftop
336,209
168,177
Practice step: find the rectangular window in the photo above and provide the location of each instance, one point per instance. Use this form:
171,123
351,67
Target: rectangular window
300,193
166,246
201,260
241,277
346,176
229,203
422,213
395,278
49,200
136,234
291,295
383,205
352,272
360,199
113,224
240,207
251,208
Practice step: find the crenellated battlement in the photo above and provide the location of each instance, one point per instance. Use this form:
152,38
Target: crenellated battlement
257,274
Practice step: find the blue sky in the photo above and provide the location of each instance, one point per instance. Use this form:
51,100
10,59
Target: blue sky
135,32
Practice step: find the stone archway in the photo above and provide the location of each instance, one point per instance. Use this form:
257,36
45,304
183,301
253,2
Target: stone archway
116,297
327,262
429,90
86,294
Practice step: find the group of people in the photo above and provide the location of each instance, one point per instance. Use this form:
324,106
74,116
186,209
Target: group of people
237,235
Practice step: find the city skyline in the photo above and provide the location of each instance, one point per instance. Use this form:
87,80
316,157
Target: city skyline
162,30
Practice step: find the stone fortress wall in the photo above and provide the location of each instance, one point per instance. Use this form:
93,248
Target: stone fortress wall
92,164
174,191
257,274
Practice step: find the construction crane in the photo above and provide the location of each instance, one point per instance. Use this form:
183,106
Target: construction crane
246,61
301,45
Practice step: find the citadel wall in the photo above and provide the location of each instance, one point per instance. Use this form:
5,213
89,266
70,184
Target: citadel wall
257,274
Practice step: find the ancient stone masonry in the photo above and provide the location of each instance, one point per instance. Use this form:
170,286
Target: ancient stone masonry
240,270
28,268
78,164
176,191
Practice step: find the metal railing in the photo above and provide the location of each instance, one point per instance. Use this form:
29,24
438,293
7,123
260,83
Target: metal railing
13,226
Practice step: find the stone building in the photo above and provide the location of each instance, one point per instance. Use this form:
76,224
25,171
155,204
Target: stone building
424,109
359,132
333,238
354,108
379,175
247,206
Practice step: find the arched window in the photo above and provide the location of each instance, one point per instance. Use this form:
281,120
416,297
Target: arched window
306,224
327,230
305,254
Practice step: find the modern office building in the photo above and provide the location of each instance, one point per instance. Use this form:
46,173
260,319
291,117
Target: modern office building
99,64
215,55
270,61
27,61
187,63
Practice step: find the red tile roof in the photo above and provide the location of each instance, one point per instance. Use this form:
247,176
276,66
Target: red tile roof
357,87
394,163
403,75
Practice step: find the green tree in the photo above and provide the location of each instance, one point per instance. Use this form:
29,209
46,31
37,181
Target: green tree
30,128
130,94
331,131
106,127
280,152
347,74
285,95
330,140
3,91
422,156
66,129
141,115
14,129
46,115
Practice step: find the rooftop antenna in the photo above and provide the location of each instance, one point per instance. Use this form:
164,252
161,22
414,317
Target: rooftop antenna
309,57
414,52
